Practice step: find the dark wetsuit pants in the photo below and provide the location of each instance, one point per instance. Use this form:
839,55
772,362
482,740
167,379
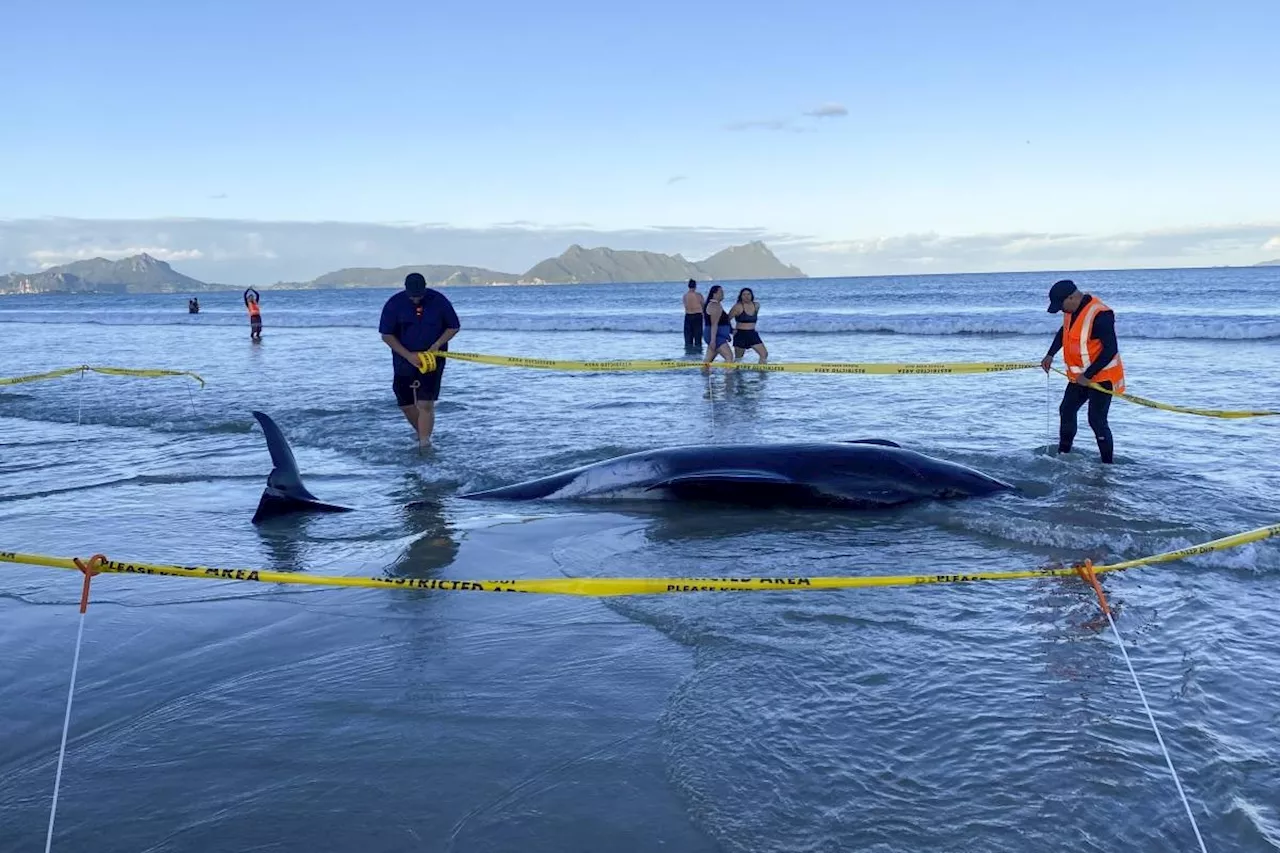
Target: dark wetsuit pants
692,331
1099,404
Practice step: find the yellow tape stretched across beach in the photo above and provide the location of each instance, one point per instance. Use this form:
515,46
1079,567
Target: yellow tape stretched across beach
1186,410
107,371
604,587
427,364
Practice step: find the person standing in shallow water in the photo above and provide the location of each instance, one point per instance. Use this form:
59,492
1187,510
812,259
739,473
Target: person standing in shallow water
251,298
717,330
745,312
418,319
1092,355
692,318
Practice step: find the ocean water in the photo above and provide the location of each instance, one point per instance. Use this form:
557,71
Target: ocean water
979,717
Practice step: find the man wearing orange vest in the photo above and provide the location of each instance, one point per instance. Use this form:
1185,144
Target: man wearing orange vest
1089,350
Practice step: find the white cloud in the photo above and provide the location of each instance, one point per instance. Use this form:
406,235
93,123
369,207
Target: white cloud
829,111
932,252
46,258
788,124
1272,245
759,124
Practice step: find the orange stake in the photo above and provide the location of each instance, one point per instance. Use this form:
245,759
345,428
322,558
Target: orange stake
95,563
1087,574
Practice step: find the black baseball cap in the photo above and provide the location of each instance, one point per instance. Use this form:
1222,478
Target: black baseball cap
1060,291
415,284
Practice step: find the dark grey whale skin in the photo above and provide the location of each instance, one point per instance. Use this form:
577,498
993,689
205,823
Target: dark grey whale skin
864,474
285,492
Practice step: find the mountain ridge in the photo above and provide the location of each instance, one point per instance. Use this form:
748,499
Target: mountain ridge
576,265
135,274
441,274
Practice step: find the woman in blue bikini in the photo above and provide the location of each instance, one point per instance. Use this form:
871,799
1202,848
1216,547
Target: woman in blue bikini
715,322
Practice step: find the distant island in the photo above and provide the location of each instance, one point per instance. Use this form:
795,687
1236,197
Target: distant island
1275,263
138,274
577,265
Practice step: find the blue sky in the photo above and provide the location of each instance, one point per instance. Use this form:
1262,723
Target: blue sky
1104,125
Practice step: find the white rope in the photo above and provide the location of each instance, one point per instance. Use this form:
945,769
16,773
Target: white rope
192,399
1156,729
1048,412
417,413
79,403
66,725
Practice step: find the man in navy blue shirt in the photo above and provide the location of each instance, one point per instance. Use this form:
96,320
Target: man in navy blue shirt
418,319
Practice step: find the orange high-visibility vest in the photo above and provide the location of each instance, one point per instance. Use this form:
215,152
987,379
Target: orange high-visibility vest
254,310
1080,349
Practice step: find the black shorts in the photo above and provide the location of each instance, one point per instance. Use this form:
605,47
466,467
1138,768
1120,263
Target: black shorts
746,338
428,385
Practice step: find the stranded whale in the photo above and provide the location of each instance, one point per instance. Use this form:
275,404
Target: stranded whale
863,474
866,474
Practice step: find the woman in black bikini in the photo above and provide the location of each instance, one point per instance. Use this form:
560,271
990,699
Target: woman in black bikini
745,312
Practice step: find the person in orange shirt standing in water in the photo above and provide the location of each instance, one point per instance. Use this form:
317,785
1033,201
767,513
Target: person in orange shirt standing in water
1092,356
255,314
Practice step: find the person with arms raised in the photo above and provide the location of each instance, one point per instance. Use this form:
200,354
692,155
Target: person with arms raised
251,300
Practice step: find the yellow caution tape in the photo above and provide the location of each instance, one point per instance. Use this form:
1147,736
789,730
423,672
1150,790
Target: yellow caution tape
108,371
1186,410
601,587
427,363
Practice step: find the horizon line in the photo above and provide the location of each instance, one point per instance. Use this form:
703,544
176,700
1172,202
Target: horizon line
285,285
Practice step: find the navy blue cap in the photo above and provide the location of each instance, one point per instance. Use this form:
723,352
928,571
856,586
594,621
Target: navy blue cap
415,284
1060,291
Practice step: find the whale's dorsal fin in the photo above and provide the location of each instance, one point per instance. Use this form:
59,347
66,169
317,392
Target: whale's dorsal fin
285,492
881,441
285,476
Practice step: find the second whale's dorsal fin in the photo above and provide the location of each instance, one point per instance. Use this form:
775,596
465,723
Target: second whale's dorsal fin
285,476
285,492
881,441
